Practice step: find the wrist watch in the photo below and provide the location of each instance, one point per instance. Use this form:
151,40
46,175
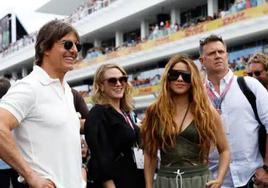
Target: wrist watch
265,167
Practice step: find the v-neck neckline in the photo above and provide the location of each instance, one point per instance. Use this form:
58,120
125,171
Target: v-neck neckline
180,133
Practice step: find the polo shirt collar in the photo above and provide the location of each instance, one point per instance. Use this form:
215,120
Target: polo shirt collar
43,77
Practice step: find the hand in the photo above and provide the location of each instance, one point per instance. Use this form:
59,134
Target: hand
261,177
42,183
39,182
259,186
109,184
84,174
214,183
82,125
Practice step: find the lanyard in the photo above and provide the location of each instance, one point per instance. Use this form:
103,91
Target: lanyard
128,120
218,100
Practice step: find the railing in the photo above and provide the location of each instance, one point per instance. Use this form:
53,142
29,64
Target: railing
203,27
81,12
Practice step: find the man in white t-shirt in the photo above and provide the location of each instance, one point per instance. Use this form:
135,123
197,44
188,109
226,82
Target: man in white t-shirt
45,149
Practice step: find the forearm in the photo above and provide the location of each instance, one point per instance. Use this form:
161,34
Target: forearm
223,149
265,160
10,154
261,175
109,184
224,160
149,169
82,126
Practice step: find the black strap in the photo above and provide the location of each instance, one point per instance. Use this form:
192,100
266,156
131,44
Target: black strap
250,96
252,100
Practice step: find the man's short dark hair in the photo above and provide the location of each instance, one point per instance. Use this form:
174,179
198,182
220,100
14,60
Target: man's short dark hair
210,38
4,86
50,33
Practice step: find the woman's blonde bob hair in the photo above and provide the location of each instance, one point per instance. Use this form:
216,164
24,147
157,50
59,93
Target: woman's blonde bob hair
99,97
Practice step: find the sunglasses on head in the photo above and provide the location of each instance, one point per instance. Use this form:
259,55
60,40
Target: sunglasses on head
68,44
173,75
256,73
114,80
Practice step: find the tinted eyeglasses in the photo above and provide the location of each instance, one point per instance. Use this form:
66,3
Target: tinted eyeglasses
68,44
173,75
114,80
256,73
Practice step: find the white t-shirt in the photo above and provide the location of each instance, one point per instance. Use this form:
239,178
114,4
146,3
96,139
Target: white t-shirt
48,132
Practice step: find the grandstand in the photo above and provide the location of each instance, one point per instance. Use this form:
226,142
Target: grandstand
142,34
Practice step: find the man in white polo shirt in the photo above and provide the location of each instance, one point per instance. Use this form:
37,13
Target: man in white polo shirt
46,148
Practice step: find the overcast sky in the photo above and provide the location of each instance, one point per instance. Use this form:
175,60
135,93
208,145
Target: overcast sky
25,11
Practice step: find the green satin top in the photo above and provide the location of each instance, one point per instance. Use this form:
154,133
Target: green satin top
186,152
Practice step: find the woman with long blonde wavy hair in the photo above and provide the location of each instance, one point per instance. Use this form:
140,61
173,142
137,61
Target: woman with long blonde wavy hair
184,126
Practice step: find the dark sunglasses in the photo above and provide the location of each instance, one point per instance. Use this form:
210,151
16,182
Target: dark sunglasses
173,75
113,80
256,73
68,44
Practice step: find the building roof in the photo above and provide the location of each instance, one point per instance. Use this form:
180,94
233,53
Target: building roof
60,7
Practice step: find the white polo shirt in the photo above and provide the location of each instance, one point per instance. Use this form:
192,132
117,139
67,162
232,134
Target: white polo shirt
48,132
